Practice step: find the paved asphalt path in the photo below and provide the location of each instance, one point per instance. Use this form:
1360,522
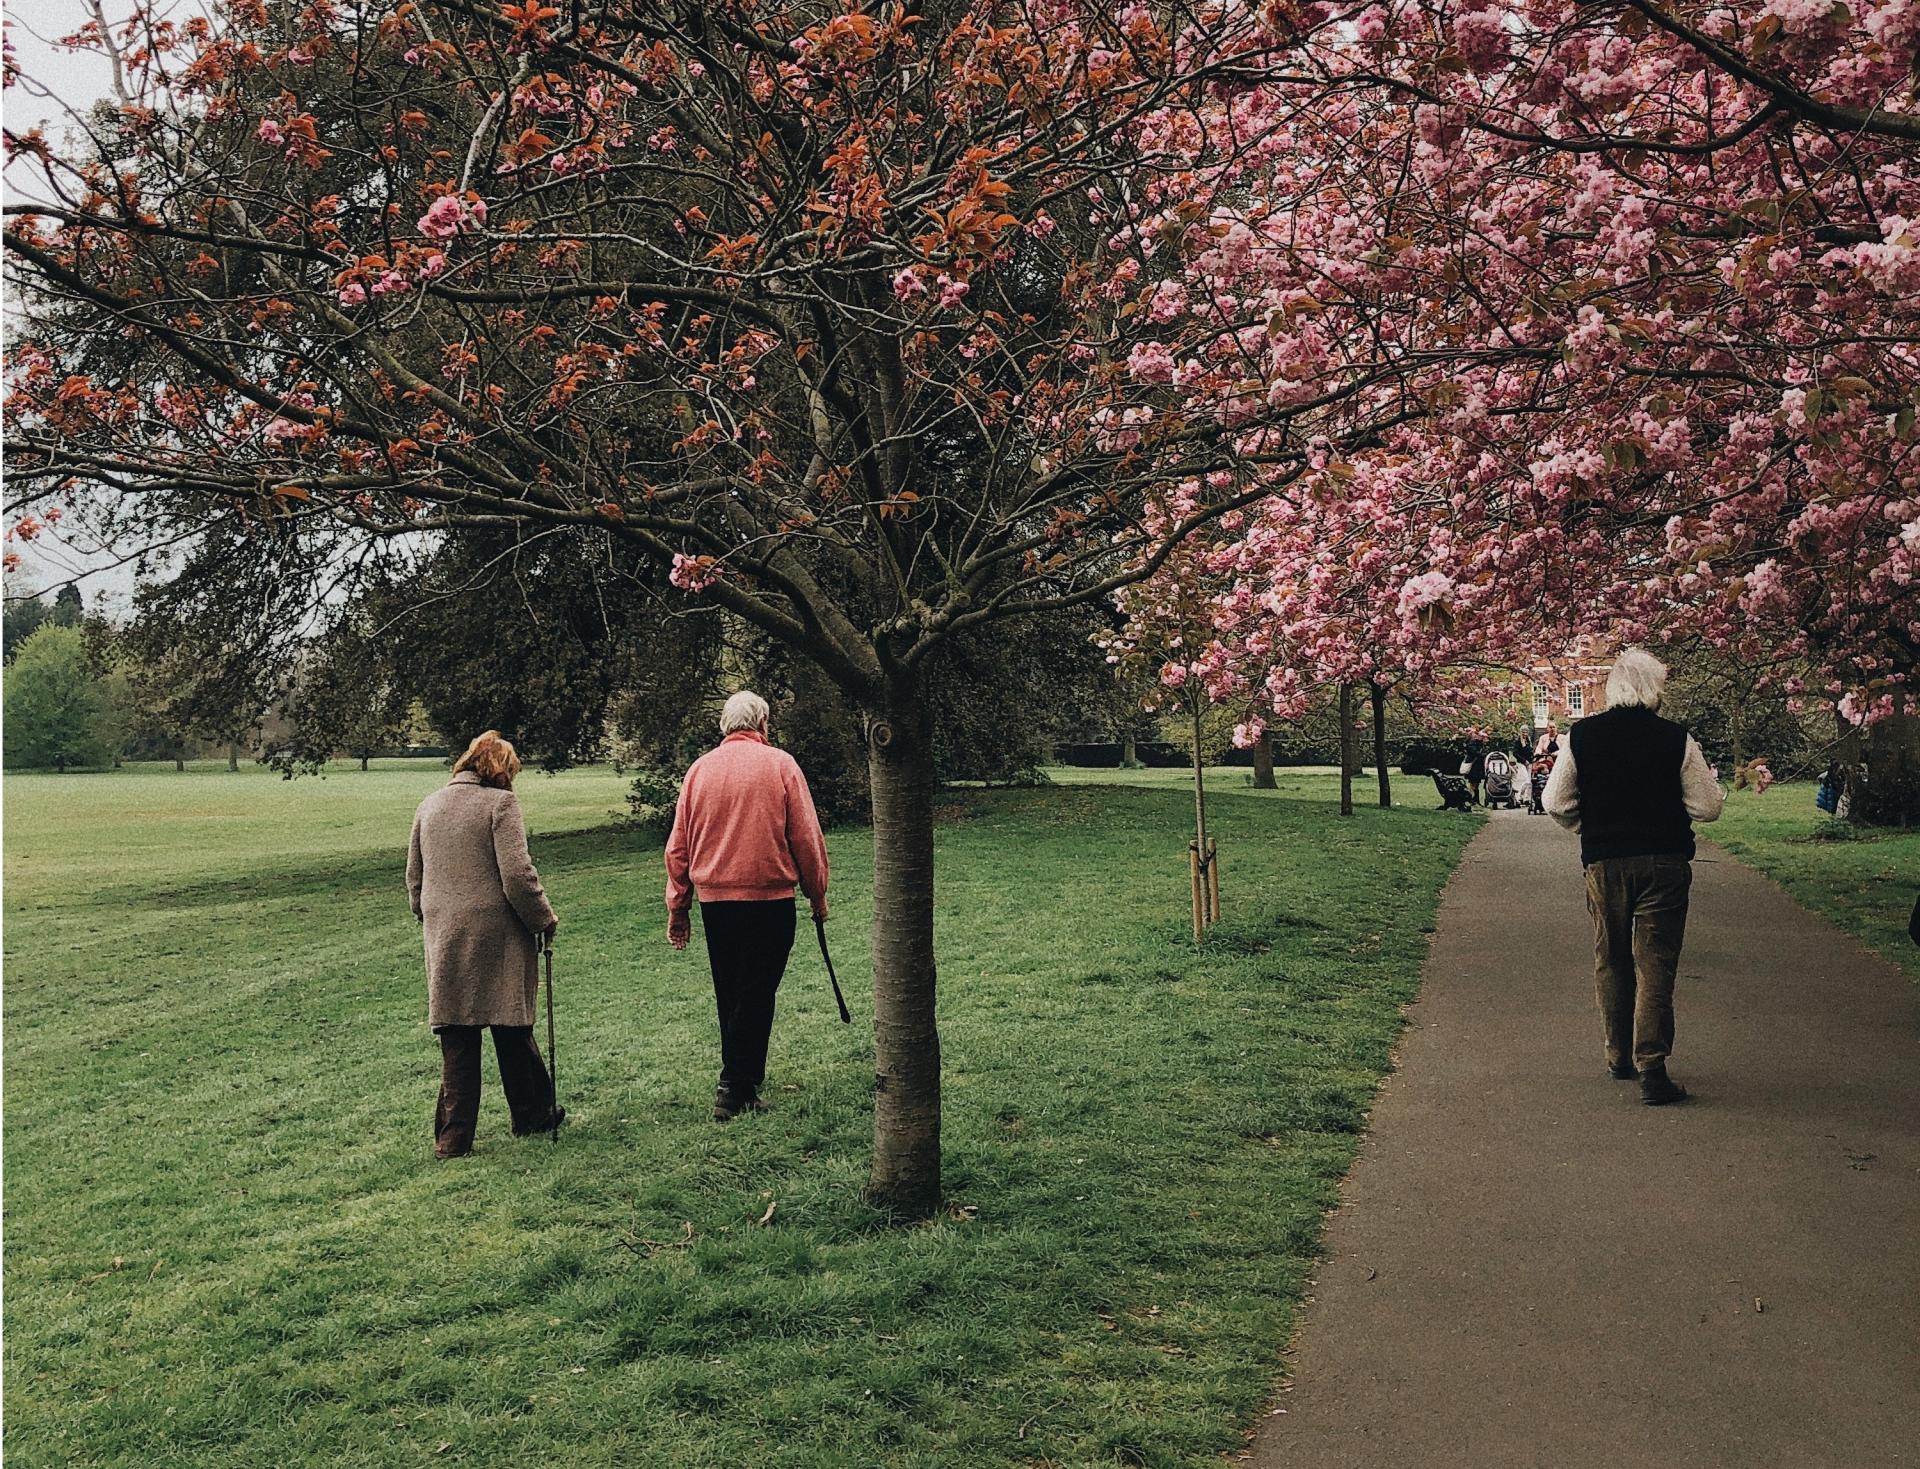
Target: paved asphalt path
1531,1268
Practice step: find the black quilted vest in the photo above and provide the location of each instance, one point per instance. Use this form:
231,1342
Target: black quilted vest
1626,763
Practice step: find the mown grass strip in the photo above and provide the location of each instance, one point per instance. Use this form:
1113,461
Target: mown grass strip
228,1242
1864,879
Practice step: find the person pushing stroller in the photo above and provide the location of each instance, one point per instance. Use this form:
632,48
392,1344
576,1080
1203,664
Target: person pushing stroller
1539,773
1502,779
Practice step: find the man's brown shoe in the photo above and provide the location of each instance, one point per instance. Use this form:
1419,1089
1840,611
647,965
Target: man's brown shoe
1657,1089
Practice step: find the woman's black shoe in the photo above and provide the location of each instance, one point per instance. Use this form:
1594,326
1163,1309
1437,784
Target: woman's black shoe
1622,1072
553,1125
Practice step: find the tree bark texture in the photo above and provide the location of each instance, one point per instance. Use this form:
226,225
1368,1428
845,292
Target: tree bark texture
1890,794
1346,749
1202,876
906,1040
1263,763
1379,697
1846,754
1199,791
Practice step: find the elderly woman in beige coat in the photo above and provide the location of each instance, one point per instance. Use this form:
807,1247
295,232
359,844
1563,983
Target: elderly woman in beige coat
473,887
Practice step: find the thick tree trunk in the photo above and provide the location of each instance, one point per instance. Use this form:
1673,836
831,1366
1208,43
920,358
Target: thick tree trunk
906,1040
363,761
233,758
180,762
1847,756
1379,697
1346,749
1890,795
1263,763
1129,756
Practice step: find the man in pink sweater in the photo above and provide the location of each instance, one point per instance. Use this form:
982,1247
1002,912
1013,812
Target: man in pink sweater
744,837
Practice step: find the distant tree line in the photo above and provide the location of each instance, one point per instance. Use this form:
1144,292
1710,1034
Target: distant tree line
575,658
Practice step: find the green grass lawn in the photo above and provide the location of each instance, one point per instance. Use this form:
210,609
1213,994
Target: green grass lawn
1866,885
228,1242
1291,782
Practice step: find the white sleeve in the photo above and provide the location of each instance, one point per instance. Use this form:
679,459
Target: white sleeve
1699,791
1561,798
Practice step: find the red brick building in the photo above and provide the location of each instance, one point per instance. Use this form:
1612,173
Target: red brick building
1567,689
1563,688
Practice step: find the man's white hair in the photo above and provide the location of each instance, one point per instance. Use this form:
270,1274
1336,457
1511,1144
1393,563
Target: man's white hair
745,710
1638,678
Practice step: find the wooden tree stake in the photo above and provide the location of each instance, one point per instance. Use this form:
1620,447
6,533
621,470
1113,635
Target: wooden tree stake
1199,912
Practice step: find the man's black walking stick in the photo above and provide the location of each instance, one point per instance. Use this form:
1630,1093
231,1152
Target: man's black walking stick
553,1055
820,928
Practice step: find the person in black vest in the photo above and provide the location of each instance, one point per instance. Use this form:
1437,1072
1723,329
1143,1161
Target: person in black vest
1632,784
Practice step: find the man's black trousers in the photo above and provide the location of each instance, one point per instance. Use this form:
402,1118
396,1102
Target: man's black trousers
747,945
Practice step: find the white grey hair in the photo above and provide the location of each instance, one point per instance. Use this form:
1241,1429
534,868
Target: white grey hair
745,710
1638,678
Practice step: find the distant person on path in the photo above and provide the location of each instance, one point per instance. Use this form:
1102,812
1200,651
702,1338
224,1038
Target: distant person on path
744,837
1549,741
472,885
1630,782
1474,764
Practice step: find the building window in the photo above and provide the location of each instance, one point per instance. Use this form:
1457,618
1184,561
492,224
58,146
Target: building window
1576,701
1542,697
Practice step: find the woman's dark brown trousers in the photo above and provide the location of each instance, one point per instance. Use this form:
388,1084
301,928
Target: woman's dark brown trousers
522,1073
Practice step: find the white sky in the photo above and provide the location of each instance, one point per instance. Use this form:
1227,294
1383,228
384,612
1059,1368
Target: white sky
50,74
54,79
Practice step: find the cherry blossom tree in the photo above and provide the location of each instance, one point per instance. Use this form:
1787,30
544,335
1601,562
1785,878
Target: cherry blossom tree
1675,245
870,325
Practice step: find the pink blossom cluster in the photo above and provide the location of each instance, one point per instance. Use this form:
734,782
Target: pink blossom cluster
451,215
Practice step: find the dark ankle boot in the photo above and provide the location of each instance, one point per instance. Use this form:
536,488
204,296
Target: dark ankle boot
1622,1071
1657,1089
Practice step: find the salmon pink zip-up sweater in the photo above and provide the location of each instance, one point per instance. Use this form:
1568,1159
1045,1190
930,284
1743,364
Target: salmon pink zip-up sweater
745,829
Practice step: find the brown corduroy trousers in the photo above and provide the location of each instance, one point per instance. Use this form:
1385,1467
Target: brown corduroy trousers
523,1075
1639,908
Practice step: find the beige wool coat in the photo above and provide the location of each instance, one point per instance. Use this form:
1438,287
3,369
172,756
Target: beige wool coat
473,887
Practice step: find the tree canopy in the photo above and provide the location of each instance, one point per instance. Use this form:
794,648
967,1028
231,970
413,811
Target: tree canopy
873,326
57,710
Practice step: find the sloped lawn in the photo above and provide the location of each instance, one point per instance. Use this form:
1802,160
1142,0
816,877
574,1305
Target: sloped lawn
228,1242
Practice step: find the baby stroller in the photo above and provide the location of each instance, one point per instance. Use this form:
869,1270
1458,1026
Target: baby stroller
1542,768
1455,793
1501,777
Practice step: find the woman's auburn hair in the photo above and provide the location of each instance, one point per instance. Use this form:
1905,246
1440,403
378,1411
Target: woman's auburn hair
492,759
